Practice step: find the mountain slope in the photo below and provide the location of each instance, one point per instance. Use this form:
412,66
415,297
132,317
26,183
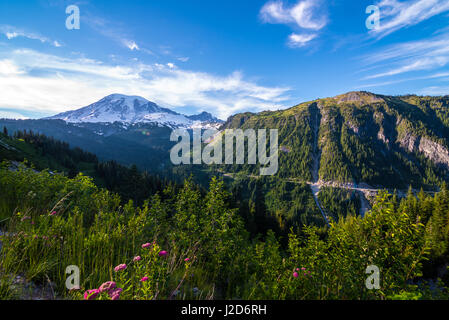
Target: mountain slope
145,144
360,137
42,152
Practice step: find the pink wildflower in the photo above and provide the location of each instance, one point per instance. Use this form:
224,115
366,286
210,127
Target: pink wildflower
115,293
295,274
120,267
187,259
52,213
91,294
115,296
146,245
163,253
137,258
144,279
107,286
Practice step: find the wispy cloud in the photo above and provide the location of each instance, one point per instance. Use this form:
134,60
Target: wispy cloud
12,32
424,55
110,30
300,40
36,81
444,75
434,91
305,15
6,114
396,14
132,45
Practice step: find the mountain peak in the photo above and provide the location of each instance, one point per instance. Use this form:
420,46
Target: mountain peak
133,109
118,96
358,97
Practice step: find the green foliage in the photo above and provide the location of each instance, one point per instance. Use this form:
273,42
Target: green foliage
339,203
54,221
47,153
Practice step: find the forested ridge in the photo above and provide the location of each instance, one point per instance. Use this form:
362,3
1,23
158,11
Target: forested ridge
383,141
44,152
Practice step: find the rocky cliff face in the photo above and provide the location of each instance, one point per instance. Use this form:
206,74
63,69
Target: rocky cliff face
415,143
434,151
409,142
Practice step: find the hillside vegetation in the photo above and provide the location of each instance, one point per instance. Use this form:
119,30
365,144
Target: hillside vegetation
43,152
360,137
189,245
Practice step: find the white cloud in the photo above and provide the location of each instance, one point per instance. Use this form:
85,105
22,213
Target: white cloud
305,14
4,114
396,14
33,60
184,59
435,91
115,32
12,32
300,40
274,12
11,35
132,45
424,55
35,81
8,67
415,65
387,83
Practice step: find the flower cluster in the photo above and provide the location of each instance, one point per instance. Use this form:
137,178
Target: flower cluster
145,270
120,267
302,270
109,287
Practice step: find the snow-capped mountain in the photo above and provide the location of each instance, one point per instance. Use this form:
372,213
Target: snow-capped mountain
134,109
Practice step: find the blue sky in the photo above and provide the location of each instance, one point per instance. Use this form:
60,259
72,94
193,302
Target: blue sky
218,56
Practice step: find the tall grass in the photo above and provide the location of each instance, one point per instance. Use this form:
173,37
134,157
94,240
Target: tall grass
54,222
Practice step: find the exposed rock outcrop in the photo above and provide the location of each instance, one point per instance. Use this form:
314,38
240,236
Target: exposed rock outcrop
358,97
434,151
409,142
